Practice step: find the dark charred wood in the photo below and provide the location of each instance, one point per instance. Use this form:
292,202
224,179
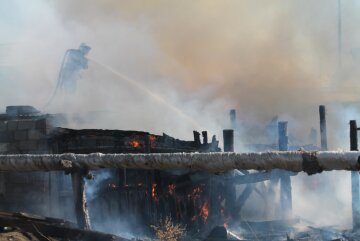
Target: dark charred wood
197,138
205,137
52,228
355,196
228,136
323,132
86,141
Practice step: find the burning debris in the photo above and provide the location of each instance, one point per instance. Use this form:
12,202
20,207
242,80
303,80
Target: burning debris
149,177
123,185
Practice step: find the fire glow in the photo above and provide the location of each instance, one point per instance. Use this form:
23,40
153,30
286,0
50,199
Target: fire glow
154,193
204,212
135,143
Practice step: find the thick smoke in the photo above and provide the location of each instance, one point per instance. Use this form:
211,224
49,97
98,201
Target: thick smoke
284,54
264,58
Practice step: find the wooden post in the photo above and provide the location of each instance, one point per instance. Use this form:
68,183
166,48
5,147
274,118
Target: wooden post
230,191
323,132
228,136
81,210
285,181
197,138
205,137
233,119
355,178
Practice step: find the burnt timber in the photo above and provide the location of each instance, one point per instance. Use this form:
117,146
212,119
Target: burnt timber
42,228
25,130
144,177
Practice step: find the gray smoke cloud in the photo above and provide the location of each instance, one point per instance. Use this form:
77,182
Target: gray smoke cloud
263,58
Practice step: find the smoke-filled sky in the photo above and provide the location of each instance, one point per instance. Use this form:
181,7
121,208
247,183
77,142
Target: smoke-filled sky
264,58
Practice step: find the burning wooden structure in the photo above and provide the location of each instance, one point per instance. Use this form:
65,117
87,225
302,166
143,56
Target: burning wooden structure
144,195
149,179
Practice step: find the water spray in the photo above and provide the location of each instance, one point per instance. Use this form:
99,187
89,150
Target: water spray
147,91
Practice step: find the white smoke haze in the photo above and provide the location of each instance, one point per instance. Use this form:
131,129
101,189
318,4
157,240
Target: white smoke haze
323,199
264,58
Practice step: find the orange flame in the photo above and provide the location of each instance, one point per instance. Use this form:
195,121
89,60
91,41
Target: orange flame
135,143
154,193
204,212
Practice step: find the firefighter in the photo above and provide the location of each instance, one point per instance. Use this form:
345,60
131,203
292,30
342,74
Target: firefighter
74,62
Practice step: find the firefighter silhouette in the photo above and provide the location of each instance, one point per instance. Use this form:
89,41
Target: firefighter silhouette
72,65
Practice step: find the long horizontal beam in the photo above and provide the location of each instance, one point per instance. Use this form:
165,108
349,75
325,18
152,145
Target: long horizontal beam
310,162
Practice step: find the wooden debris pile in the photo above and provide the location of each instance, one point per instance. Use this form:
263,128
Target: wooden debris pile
24,227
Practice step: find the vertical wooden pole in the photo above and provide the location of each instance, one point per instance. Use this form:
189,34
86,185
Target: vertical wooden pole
197,138
81,210
205,137
355,178
228,136
230,191
285,181
323,131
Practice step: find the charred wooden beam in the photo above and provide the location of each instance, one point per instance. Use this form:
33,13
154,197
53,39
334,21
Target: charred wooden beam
228,136
294,161
323,132
355,178
205,137
197,138
230,197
